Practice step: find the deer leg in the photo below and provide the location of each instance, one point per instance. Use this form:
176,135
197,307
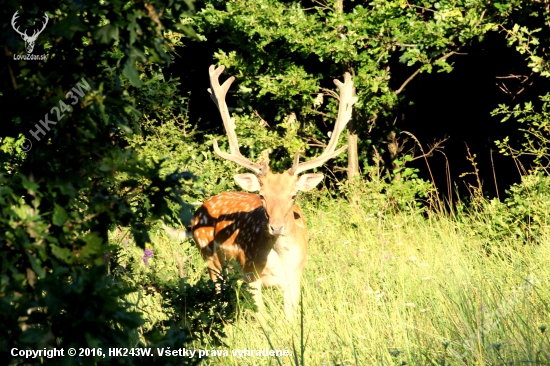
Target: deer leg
281,272
291,295
214,270
256,288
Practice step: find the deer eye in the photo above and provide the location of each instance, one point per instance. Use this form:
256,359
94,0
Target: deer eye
293,197
262,197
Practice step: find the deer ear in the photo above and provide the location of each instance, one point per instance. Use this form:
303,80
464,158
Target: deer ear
248,182
307,182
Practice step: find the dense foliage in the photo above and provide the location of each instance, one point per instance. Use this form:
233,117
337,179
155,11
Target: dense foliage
285,54
96,148
69,175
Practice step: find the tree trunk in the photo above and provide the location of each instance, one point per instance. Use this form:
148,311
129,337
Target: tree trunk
353,151
353,158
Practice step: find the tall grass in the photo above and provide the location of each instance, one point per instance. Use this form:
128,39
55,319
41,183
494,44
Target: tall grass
399,288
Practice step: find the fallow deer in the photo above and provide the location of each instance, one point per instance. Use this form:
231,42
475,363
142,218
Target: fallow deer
265,233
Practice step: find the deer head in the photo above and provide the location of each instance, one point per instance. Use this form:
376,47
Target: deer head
29,40
278,191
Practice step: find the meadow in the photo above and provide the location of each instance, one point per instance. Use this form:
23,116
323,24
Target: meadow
395,275
389,287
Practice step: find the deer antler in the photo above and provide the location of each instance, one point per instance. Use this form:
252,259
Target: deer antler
217,93
344,115
45,23
24,34
13,19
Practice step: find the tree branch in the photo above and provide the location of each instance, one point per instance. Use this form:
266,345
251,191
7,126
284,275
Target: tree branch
320,113
316,143
418,71
329,92
263,122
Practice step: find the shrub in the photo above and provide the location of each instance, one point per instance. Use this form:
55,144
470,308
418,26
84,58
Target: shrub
523,217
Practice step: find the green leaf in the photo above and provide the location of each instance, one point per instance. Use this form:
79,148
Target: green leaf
131,72
60,216
68,26
27,184
63,254
35,266
107,33
94,246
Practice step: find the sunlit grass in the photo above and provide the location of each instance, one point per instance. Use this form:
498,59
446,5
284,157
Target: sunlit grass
398,289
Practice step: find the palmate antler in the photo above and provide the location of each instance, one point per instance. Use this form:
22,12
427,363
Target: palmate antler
218,92
252,226
347,100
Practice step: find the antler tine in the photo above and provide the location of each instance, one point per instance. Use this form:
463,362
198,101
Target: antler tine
347,99
13,19
45,23
217,93
296,162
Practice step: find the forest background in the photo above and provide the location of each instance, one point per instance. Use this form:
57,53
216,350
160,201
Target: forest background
427,238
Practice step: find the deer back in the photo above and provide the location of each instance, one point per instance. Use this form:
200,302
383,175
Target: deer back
234,225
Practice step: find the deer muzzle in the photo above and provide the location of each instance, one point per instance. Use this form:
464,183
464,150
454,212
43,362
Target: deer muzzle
275,229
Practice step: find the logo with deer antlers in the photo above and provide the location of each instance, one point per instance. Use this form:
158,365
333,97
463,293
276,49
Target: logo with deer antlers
29,40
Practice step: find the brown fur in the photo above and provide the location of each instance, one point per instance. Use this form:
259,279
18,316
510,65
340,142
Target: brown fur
236,225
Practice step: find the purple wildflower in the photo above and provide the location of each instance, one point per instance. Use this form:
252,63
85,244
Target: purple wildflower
147,253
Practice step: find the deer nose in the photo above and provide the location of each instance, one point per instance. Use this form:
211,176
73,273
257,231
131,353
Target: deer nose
276,230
